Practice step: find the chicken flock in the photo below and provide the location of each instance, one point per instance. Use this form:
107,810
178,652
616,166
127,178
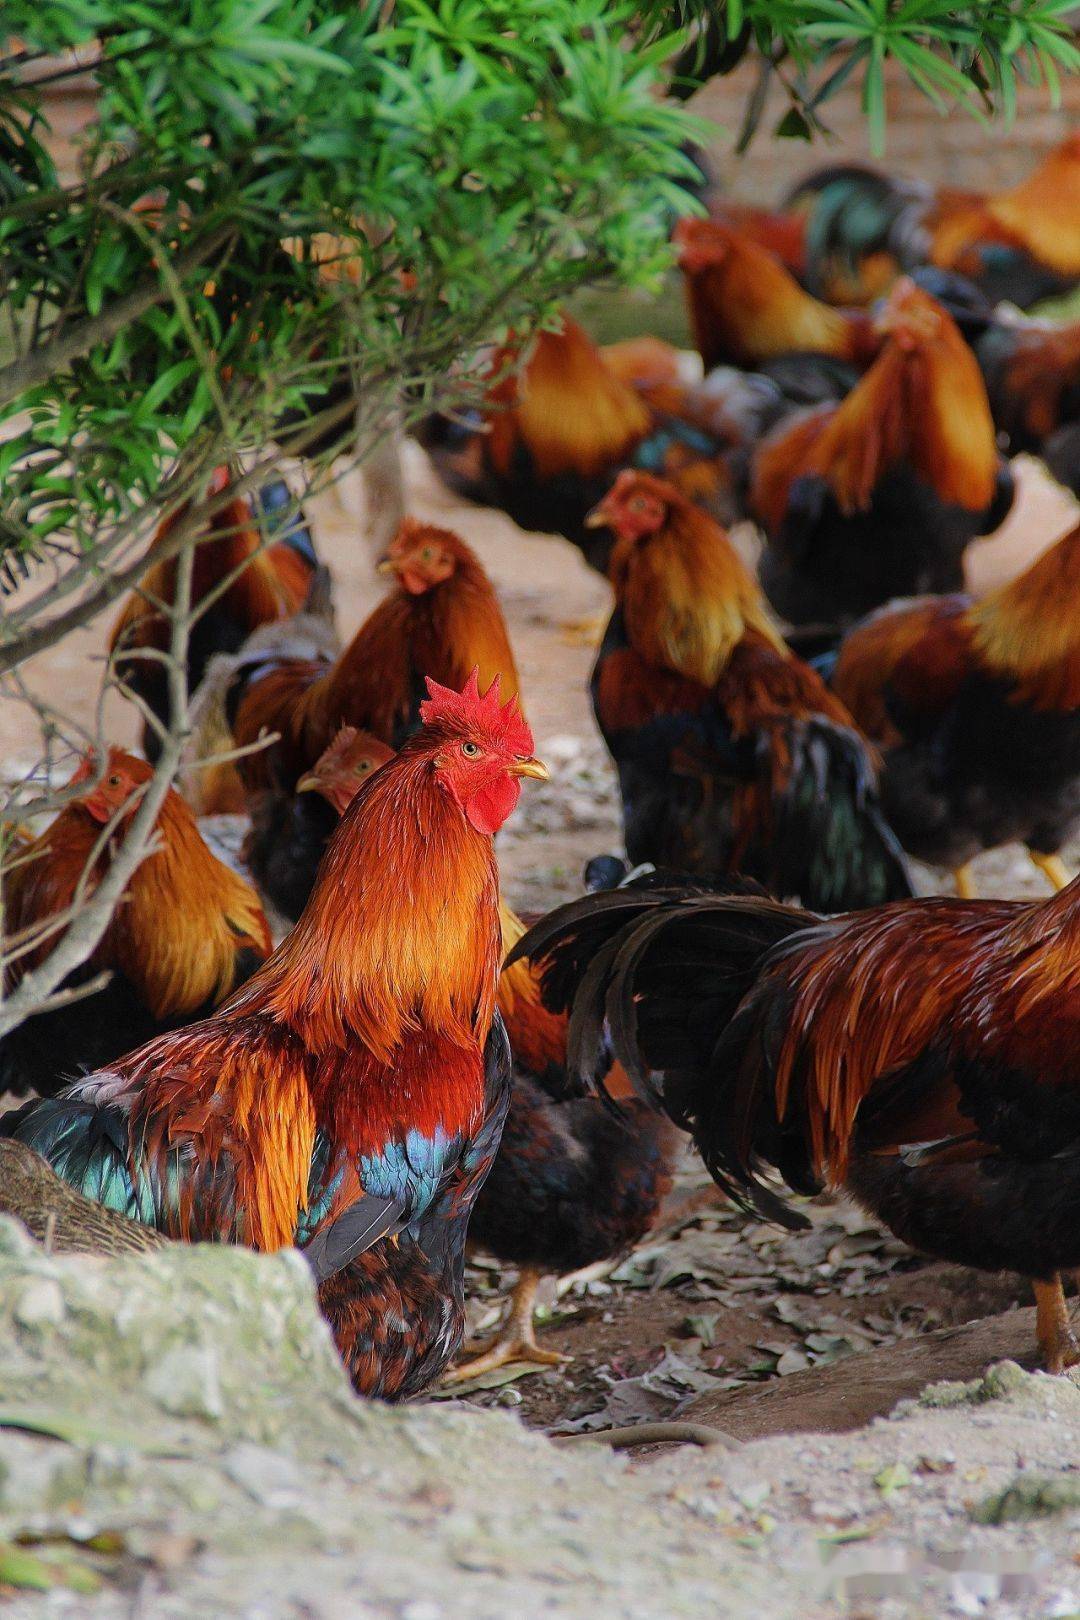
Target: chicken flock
412,1068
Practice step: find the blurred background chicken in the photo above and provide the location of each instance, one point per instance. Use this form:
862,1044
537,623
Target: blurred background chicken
862,228
442,620
976,707
559,427
921,1056
188,932
880,496
289,832
265,582
732,755
1032,375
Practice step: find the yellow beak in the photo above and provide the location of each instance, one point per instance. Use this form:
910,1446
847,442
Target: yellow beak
597,518
384,566
531,767
309,783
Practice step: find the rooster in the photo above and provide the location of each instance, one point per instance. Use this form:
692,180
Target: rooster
920,1056
746,308
289,831
732,754
442,619
188,932
1020,245
573,1183
976,706
349,1099
879,496
557,429
1032,376
271,582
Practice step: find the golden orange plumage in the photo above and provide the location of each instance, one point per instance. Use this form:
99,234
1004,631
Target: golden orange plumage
185,917
745,307
571,412
1041,215
687,597
922,402
1029,629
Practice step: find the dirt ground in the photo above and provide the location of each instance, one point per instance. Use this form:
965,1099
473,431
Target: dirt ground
713,1306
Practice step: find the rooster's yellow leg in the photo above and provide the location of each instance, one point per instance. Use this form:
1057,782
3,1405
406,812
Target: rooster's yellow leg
515,1340
964,879
1057,1344
1054,868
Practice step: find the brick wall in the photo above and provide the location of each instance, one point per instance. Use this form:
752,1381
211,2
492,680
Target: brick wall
956,150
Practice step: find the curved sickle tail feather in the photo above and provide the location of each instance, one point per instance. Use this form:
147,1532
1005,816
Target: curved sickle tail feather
654,978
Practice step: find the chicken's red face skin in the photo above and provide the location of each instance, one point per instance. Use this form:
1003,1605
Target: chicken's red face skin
633,509
123,774
482,769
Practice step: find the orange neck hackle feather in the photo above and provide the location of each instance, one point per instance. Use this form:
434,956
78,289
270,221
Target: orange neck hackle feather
569,410
922,403
537,1036
1028,631
686,596
745,307
176,934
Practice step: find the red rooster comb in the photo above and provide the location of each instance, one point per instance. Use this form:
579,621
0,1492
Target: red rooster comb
471,710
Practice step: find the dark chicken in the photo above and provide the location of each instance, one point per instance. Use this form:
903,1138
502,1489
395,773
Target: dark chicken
290,831
560,427
880,496
976,706
732,754
187,934
442,619
574,1182
271,582
350,1098
862,228
1032,378
921,1056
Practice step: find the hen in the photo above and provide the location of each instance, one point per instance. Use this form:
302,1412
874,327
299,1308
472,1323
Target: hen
442,619
350,1098
574,1181
289,832
879,496
271,582
187,934
920,1056
732,754
1032,376
976,706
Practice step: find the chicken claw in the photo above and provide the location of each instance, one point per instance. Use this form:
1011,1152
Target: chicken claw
515,1340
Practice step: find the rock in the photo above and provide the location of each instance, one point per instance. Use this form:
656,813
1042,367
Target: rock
1030,1496
186,1382
39,1303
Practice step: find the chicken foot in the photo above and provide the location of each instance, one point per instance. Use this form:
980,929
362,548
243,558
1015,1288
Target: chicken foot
1053,1329
515,1340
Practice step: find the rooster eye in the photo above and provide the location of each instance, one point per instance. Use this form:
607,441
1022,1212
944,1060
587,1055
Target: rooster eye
637,504
427,554
114,781
362,767
470,749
